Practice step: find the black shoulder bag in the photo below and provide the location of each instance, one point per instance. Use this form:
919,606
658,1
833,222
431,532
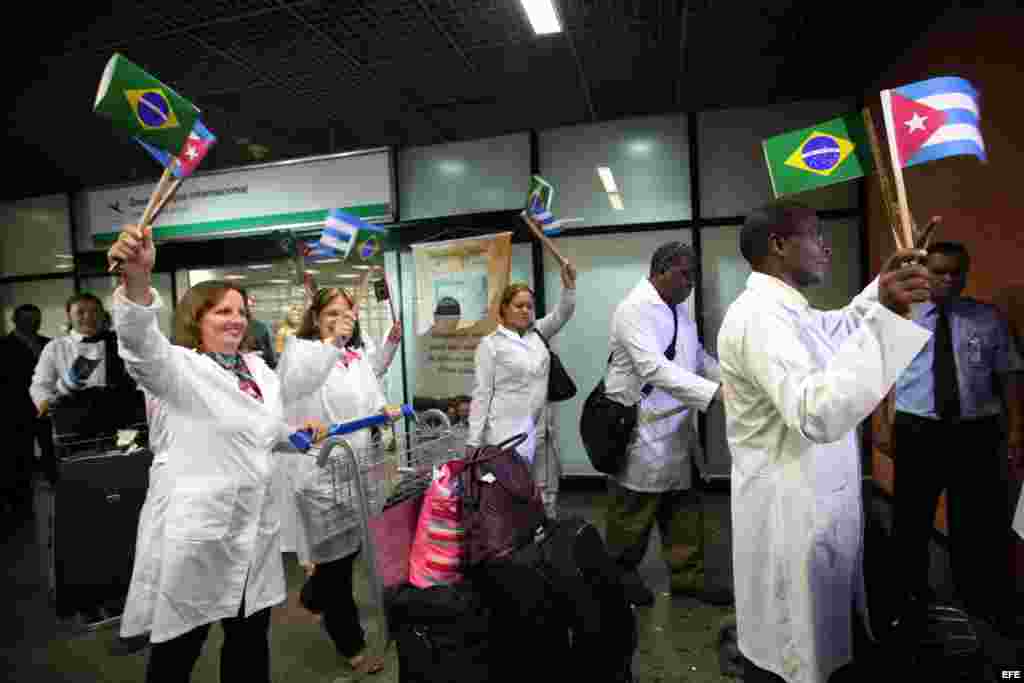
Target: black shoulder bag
606,426
560,384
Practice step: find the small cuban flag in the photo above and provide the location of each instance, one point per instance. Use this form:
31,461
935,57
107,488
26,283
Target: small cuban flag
198,143
352,237
933,119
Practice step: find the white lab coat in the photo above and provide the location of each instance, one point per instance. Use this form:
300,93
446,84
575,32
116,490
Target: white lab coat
796,383
511,390
208,534
50,378
642,327
319,500
1018,517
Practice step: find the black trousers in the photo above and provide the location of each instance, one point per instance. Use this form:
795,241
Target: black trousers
332,584
964,459
244,656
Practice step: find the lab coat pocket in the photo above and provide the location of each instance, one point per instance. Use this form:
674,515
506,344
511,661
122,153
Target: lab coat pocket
201,513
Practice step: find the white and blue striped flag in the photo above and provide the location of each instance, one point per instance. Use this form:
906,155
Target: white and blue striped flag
350,236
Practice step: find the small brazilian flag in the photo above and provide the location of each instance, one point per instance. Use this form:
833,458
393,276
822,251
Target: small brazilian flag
831,152
144,107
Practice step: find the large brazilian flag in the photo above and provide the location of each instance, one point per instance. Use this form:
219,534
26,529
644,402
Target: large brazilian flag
144,107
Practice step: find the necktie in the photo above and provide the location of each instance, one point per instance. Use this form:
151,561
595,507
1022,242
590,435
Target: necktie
947,390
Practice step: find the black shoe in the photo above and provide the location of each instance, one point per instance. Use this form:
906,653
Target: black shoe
636,592
128,646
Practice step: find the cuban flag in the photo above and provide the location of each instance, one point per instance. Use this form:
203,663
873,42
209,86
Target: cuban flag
933,119
198,143
543,217
342,231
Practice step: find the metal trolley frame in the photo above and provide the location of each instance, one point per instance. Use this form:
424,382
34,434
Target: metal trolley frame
383,476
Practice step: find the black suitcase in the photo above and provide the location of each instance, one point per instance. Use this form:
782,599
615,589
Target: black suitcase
942,644
94,518
583,595
442,633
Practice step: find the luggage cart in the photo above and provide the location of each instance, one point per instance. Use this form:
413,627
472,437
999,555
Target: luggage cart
100,440
384,484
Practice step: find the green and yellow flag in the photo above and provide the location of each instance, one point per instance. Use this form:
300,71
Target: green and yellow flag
831,152
144,107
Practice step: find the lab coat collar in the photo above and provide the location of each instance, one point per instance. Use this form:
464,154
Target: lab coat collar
777,289
512,334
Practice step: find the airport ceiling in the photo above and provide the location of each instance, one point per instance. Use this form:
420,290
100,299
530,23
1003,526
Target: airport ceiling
279,79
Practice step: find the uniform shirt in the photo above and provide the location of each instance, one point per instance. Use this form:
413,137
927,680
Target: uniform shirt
642,328
511,390
982,349
52,377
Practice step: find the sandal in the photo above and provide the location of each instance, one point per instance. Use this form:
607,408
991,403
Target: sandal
366,664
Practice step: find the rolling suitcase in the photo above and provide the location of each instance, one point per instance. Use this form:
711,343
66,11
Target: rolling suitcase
95,515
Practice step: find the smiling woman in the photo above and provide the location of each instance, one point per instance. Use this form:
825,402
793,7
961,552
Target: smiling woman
207,537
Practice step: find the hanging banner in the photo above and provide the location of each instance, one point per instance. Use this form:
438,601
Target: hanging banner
291,194
458,286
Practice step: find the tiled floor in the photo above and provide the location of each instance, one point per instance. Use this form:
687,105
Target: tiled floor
678,636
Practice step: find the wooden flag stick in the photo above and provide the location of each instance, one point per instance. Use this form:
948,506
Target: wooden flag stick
168,196
161,193
884,177
897,171
545,240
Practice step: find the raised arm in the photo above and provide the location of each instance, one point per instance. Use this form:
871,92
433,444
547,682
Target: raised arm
550,324
304,366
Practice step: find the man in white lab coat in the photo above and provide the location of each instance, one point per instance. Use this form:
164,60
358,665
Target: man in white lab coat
658,361
796,383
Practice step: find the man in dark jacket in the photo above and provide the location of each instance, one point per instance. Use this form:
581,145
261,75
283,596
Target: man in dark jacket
20,352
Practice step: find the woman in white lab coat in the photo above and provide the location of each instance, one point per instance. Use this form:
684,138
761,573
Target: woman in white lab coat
209,542
328,538
511,392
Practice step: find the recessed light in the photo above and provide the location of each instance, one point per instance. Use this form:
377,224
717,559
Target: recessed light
541,14
607,179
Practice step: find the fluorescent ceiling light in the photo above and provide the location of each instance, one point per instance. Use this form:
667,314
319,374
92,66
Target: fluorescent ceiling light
607,179
312,272
279,282
362,267
616,200
65,265
65,256
234,277
541,14
347,276
261,266
328,260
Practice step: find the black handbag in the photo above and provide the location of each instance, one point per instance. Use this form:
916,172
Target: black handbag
560,384
606,428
